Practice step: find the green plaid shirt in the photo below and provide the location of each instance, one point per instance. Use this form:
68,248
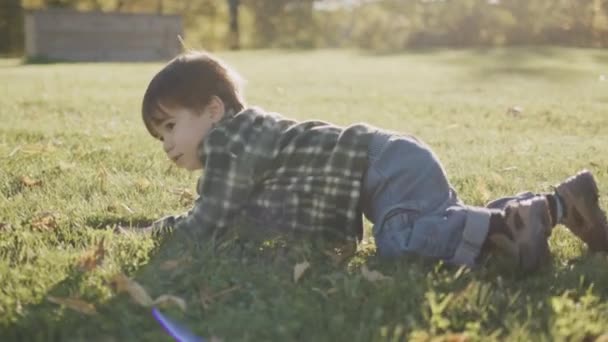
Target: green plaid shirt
279,174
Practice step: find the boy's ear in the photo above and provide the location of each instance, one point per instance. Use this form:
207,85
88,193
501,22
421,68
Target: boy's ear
216,108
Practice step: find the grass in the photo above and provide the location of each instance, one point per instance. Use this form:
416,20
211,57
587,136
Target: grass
75,131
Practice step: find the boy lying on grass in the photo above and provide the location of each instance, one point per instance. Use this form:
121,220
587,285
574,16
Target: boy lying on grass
316,177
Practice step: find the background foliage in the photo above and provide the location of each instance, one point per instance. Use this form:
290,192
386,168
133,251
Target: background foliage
381,25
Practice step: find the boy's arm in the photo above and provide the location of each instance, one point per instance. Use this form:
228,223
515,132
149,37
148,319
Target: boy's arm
222,193
231,161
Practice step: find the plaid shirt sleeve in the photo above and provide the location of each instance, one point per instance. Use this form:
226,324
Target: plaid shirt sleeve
232,156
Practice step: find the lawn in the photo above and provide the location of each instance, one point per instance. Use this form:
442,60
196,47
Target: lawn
77,164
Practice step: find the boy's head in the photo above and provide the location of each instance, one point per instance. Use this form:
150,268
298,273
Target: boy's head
189,81
185,99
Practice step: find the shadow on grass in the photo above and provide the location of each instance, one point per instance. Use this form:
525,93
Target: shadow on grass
331,302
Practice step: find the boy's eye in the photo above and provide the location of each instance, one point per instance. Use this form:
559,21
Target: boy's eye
169,126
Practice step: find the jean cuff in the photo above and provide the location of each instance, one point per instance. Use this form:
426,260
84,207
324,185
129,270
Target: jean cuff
474,235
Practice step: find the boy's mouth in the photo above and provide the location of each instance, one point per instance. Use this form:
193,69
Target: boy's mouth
176,158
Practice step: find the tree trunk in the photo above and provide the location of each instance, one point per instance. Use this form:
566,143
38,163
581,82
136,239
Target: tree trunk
234,40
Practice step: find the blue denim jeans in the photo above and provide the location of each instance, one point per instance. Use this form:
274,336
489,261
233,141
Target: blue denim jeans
414,209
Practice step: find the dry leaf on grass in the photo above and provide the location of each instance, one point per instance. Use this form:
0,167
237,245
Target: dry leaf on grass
326,293
45,221
29,182
142,184
299,270
141,296
373,276
136,291
167,300
207,297
93,258
74,304
515,111
185,196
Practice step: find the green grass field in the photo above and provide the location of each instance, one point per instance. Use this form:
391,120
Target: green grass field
76,162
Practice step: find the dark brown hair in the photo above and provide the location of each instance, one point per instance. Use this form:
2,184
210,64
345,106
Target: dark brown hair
190,80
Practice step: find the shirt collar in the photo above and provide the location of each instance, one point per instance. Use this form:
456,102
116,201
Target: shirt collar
229,114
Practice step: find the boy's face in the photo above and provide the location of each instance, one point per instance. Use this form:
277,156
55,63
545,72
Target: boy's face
184,129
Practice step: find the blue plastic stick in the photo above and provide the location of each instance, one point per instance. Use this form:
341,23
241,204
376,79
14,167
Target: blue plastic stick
178,332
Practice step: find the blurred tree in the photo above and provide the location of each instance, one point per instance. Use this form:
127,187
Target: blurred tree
61,3
11,27
233,9
282,23
387,25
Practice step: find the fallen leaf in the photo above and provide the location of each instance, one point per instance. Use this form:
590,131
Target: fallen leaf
45,221
515,111
185,196
136,291
373,276
30,182
93,258
325,294
165,300
207,297
142,184
74,304
299,270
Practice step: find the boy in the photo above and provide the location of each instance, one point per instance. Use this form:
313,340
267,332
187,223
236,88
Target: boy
283,175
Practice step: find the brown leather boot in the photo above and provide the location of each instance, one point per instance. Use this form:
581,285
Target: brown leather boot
529,225
582,213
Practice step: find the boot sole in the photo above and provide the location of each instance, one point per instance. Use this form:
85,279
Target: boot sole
594,230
